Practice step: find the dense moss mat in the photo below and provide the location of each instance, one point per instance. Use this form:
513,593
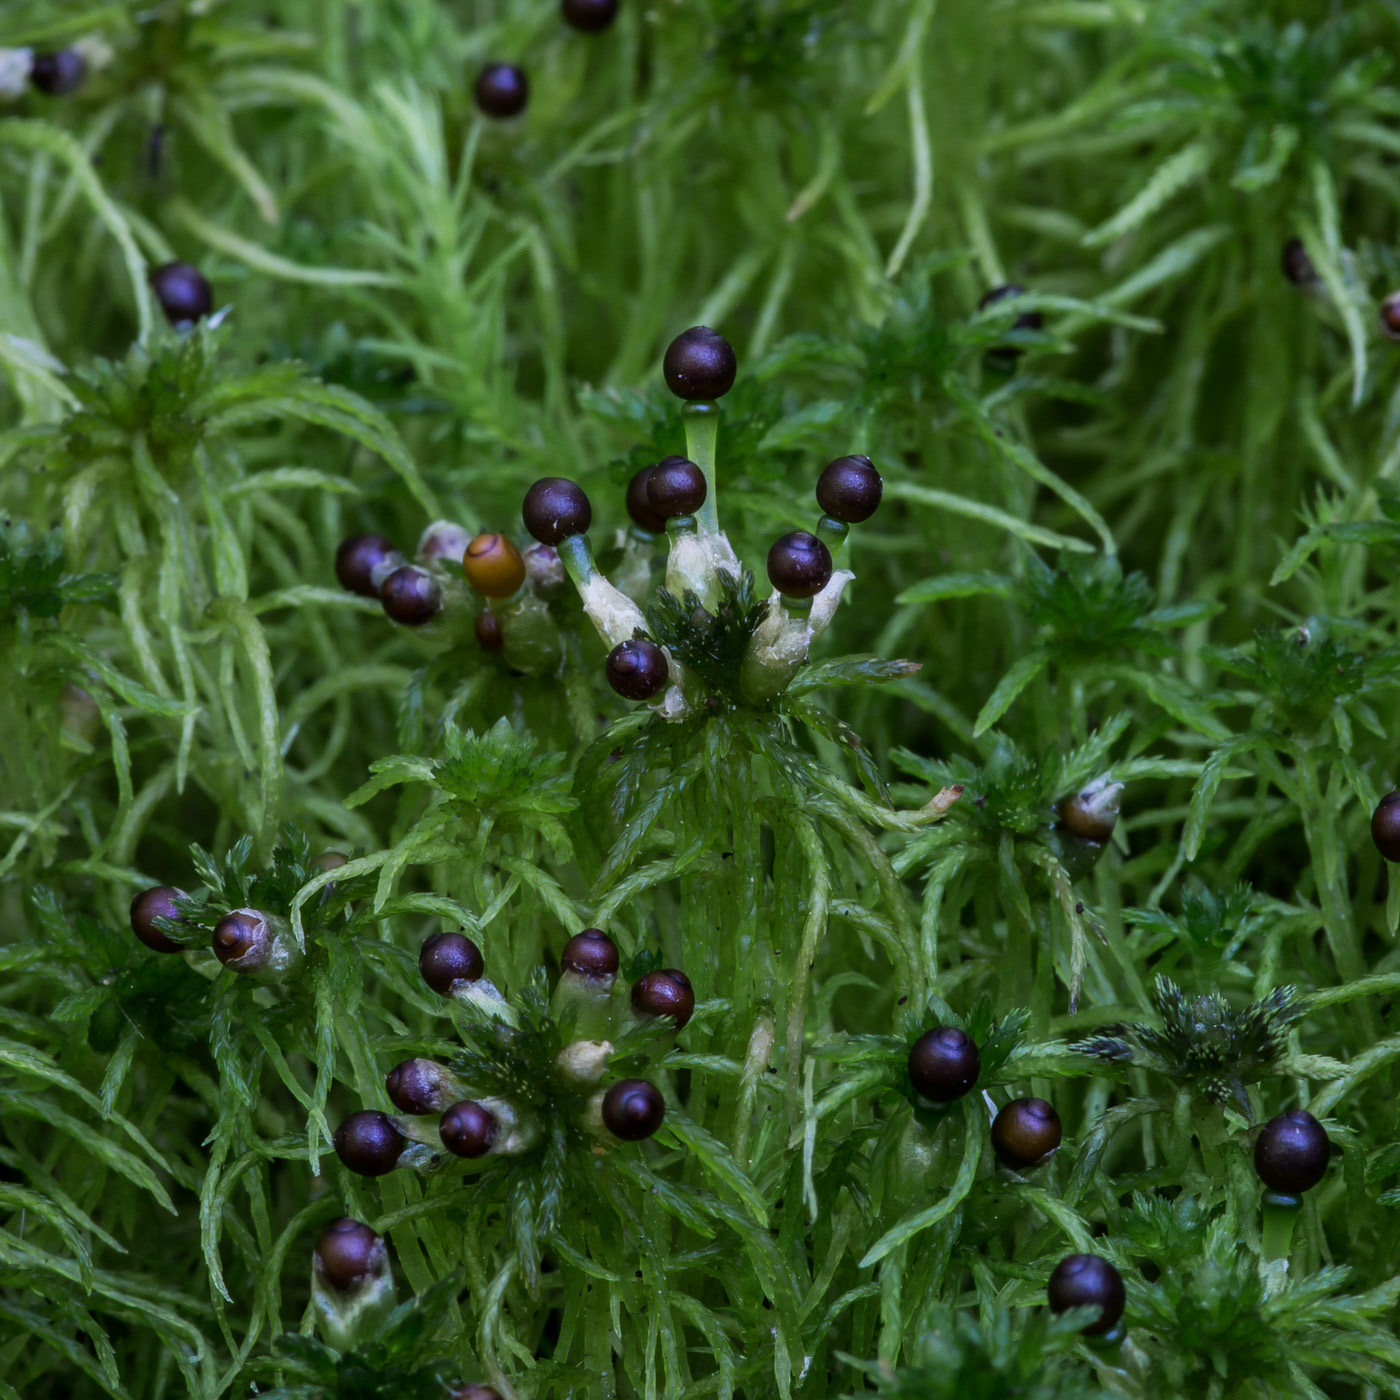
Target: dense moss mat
1083,766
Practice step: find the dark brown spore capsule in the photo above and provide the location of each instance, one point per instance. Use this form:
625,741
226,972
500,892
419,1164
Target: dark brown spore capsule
363,559
633,1109
1087,1281
467,1129
676,487
349,1253
556,508
1390,316
1297,265
590,954
664,992
1092,814
639,504
799,565
415,1087
637,670
699,364
1291,1153
849,489
1385,826
242,938
58,74
1025,1131
502,90
368,1143
944,1064
183,292
487,628
411,596
448,958
589,16
158,902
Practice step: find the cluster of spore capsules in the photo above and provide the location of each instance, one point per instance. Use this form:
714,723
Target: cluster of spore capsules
502,90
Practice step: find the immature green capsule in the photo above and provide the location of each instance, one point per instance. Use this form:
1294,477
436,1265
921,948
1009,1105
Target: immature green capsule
448,959
348,1254
699,364
676,486
58,74
664,992
368,1143
637,669
799,565
363,562
502,90
849,489
591,954
1088,1281
158,902
633,1109
555,509
1385,826
410,596
944,1064
183,292
468,1129
1291,1153
1024,1132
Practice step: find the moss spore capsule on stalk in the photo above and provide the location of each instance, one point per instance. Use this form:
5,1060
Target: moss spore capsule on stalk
349,1253
591,954
411,596
368,1143
633,1109
699,364
443,542
363,562
799,565
417,1087
1385,826
58,74
1088,1281
446,959
676,486
1389,314
243,940
849,489
183,292
639,507
589,16
493,566
147,906
665,991
1093,813
1297,265
545,571
556,508
502,90
637,670
468,1129
1291,1153
1025,1131
944,1064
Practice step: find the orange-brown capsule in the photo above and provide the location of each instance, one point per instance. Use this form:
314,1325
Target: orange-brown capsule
493,566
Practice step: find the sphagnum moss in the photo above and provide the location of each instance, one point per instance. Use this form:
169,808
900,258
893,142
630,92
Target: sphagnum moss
1135,532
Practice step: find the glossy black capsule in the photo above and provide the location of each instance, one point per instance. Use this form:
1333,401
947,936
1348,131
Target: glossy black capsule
666,991
502,90
1385,826
446,959
944,1064
183,292
699,364
368,1143
58,74
637,670
590,954
556,508
1291,1152
468,1130
676,486
799,565
242,940
410,596
1297,265
363,561
349,1253
639,506
849,489
589,16
1088,1281
1389,313
158,902
633,1109
416,1087
1025,1131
